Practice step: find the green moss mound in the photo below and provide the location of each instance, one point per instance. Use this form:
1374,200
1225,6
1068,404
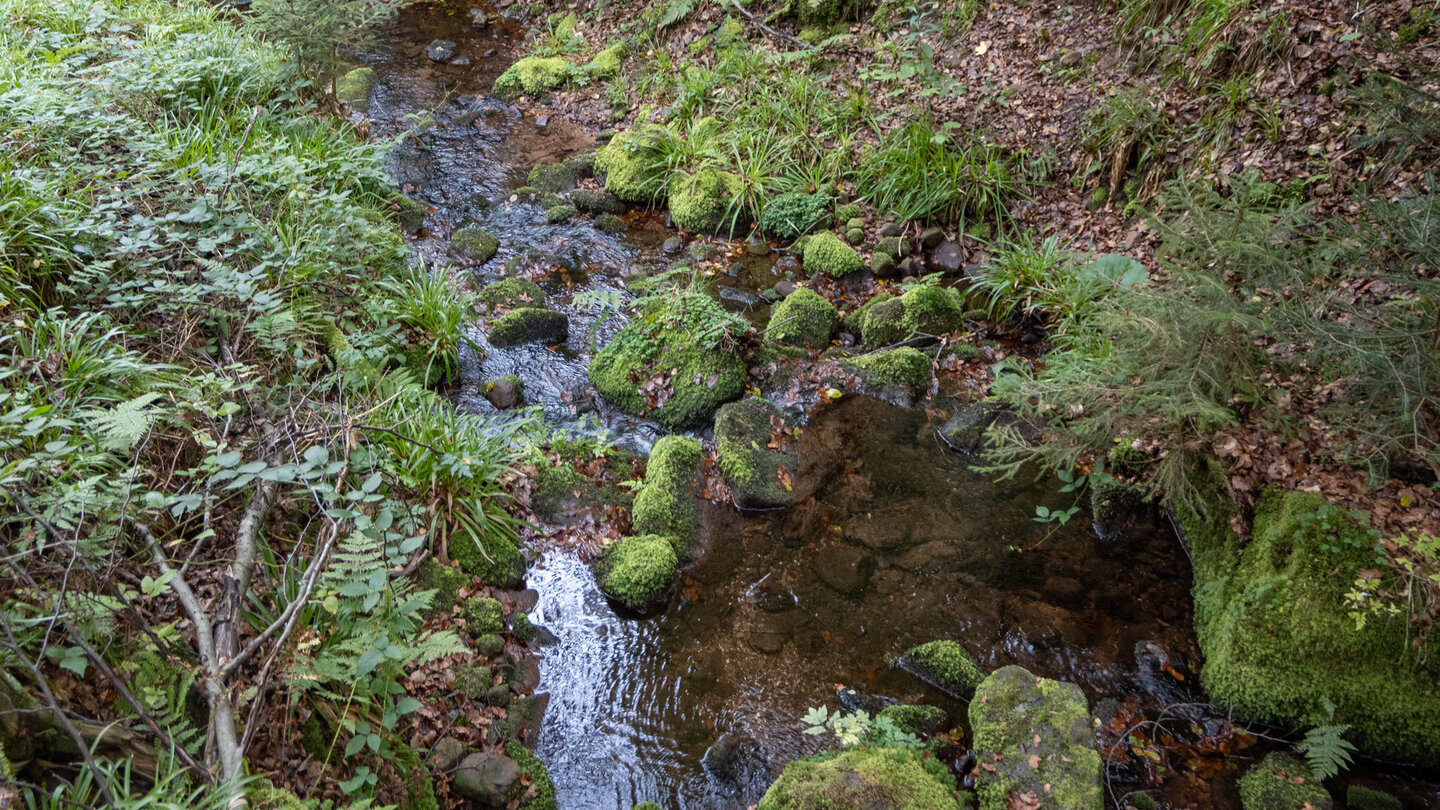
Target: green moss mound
631,169
1010,711
483,615
863,779
354,88
927,310
845,213
1279,643
473,245
541,793
1359,797
804,318
825,253
529,325
665,505
589,201
945,664
636,571
921,721
445,581
904,367
708,201
742,431
607,62
512,292
531,76
1272,785
493,559
700,379
410,214
794,214
610,224
854,323
557,214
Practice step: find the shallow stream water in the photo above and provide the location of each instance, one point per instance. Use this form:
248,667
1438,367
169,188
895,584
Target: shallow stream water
894,543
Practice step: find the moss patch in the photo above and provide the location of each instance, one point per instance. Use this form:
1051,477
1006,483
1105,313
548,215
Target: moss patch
473,245
541,793
804,318
945,664
483,615
631,170
1272,785
904,367
528,325
511,293
825,253
1010,711
921,721
863,779
491,558
445,581
707,201
636,571
607,62
742,431
699,380
532,76
354,88
665,505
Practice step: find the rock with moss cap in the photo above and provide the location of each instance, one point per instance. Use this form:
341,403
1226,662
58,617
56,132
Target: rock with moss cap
1280,644
490,645
540,793
410,213
863,779
511,293
854,323
742,434
531,76
554,177
607,62
945,664
529,325
557,214
630,167
666,504
610,224
904,370
473,245
708,201
1038,735
803,318
922,721
1359,797
636,572
483,615
354,88
924,311
700,379
825,253
1282,782
590,201
490,557
445,581
845,213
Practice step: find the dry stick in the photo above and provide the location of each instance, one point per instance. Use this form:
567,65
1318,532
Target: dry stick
80,744
767,29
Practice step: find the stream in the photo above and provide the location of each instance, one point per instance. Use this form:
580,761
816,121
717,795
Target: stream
899,543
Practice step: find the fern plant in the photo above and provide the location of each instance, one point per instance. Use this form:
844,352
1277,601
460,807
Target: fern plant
1326,750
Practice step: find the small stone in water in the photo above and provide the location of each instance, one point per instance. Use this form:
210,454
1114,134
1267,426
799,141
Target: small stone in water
478,18
440,50
542,121
949,257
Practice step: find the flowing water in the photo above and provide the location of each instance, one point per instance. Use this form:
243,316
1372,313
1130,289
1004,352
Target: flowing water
894,541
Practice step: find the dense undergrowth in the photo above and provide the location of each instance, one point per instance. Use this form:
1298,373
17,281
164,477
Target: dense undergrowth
218,462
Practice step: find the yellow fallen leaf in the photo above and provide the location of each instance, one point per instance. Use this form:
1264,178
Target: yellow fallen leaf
982,48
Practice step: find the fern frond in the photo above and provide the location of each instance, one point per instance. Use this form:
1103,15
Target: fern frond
122,427
1326,750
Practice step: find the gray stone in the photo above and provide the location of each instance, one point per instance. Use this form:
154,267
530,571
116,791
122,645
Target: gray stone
446,753
757,247
739,296
737,762
889,229
440,50
672,245
845,569
487,778
949,257
930,237
542,121
503,394
460,61
478,18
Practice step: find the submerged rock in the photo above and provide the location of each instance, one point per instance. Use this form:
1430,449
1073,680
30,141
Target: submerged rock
743,431
845,569
965,431
737,762
440,50
946,665
1037,736
863,779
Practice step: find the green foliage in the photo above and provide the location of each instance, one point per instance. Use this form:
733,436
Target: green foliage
795,213
1130,129
1210,38
858,729
922,172
1326,750
320,34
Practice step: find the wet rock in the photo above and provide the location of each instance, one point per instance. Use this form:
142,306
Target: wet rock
889,229
527,675
636,572
478,18
770,631
945,664
853,700
488,778
703,252
504,393
882,265
845,569
440,50
782,289
1114,505
736,761
931,237
886,530
589,201
460,61
489,52
522,720
446,753
672,245
894,247
931,557
354,88
530,325
1037,735
756,246
949,257
473,245
772,597
609,224
965,431
1065,591
739,296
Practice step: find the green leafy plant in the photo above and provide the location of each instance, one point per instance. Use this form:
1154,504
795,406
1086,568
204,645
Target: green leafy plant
1326,751
859,729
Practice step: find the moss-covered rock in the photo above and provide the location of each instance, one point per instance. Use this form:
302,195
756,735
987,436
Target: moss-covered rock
825,253
904,367
945,664
1359,797
528,325
511,293
524,629
607,62
854,323
492,558
354,88
610,224
531,76
631,169
742,431
700,379
636,571
1279,642
590,201
474,680
473,245
863,779
884,323
554,178
708,201
445,581
845,213
1282,782
483,615
540,795
894,247
410,214
804,318
1011,710
922,721
666,504
490,645
557,214
926,310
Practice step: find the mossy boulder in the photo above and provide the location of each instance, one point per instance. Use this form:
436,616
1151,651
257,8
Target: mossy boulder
863,779
944,664
922,721
884,323
531,76
894,247
923,311
445,581
904,368
753,471
707,201
1279,642
492,558
629,166
474,680
490,645
1010,711
845,213
473,245
636,571
699,379
854,323
666,504
354,88
554,177
590,201
803,318
557,214
410,214
483,615
1282,782
1359,797
825,253
540,795
529,325
607,63
610,224
511,293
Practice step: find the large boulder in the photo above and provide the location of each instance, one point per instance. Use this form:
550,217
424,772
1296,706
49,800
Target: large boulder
804,318
487,778
1279,640
663,373
892,373
630,166
863,779
1034,744
666,504
922,312
758,476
